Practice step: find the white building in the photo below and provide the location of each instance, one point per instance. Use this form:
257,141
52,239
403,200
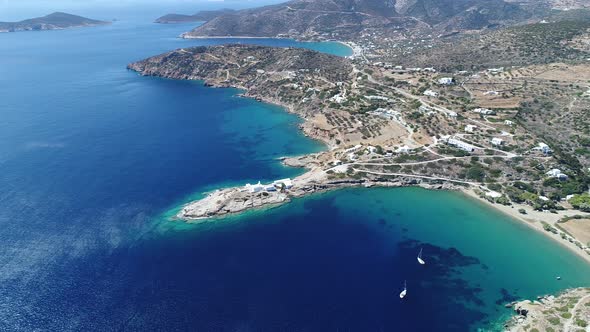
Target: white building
543,148
288,183
461,145
452,114
470,128
508,123
497,141
556,173
446,81
484,111
403,149
338,99
496,70
254,188
430,93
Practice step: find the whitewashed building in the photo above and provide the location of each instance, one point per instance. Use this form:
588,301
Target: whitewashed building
543,148
431,93
288,183
556,173
254,188
470,128
446,81
497,141
484,111
461,145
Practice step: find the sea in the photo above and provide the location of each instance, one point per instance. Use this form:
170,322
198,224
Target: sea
95,160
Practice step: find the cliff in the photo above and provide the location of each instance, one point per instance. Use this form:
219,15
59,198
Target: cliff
55,21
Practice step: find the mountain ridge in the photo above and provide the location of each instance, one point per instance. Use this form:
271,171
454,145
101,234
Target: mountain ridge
307,19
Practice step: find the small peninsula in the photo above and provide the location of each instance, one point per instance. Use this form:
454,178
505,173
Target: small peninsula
54,21
202,16
387,126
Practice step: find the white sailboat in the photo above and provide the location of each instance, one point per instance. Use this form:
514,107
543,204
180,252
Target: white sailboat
403,293
420,260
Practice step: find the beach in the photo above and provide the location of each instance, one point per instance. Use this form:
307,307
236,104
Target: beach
535,219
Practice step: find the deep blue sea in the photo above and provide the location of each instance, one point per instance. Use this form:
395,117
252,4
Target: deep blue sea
94,159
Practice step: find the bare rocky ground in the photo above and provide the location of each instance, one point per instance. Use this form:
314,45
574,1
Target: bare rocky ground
567,312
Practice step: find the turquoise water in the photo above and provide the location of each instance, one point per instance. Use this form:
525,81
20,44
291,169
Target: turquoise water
93,159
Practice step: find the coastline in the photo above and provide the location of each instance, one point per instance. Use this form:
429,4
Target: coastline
533,219
353,48
321,178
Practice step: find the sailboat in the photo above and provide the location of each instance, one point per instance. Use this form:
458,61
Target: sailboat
403,293
420,260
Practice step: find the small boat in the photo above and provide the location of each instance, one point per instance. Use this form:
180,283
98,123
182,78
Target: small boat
558,278
403,293
420,260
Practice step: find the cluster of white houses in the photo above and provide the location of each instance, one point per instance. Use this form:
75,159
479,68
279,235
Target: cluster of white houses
277,185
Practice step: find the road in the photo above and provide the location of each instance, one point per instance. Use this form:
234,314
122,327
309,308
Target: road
567,327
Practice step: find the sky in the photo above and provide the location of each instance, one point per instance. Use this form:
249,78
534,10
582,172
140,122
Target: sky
15,10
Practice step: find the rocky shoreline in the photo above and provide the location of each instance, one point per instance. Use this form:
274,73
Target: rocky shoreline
568,311
229,201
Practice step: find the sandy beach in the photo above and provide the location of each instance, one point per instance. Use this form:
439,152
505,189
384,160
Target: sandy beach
534,219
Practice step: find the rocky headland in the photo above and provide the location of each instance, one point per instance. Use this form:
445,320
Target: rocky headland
54,21
566,312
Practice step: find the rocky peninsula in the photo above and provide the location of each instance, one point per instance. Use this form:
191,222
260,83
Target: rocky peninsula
386,126
54,21
566,312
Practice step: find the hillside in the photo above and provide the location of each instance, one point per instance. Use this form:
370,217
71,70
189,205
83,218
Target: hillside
348,18
538,43
242,62
202,16
53,21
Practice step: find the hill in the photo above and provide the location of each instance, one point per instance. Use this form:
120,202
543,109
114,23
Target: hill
348,18
202,16
539,43
53,21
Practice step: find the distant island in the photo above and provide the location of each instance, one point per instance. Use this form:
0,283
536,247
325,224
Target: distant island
202,16
55,21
